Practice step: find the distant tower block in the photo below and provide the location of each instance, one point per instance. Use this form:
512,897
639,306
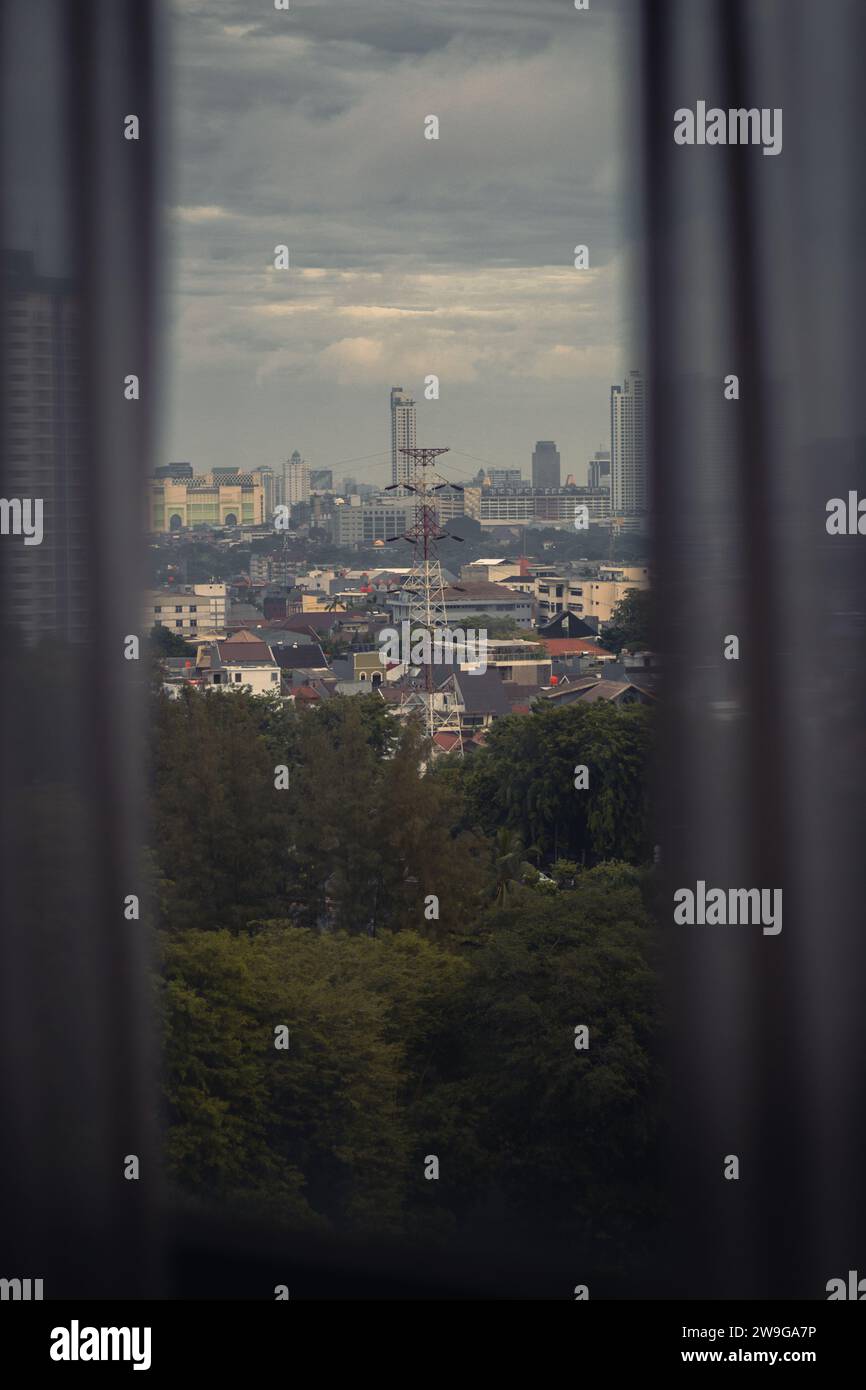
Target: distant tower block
545,464
628,493
297,485
402,434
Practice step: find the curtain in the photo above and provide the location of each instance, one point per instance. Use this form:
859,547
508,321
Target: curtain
753,266
78,217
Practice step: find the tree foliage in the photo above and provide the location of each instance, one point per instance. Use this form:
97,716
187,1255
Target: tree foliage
355,843
450,1033
524,778
631,622
164,642
401,1045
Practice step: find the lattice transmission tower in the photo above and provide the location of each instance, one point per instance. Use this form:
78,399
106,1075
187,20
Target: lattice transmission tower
425,589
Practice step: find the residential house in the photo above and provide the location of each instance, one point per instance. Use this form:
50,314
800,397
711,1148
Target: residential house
241,661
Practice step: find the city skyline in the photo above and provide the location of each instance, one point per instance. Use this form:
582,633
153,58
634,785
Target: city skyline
543,470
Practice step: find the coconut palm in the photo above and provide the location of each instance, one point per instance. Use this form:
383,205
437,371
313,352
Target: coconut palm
509,862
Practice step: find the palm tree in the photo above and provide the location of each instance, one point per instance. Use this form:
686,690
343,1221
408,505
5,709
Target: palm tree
509,863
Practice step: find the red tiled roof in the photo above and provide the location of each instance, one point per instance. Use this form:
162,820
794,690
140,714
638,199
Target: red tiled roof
446,740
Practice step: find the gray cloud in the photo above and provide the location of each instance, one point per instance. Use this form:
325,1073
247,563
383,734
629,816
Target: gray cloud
409,256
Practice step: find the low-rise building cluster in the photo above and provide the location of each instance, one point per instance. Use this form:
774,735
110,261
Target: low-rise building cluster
318,634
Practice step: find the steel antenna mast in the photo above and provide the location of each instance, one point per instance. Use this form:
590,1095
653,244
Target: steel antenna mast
425,589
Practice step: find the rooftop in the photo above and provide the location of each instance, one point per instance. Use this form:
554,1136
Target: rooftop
306,656
482,692
244,649
563,646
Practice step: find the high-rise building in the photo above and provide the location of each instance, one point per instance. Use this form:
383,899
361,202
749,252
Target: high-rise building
402,433
498,477
292,481
628,447
297,481
598,469
44,452
545,464
322,479
268,479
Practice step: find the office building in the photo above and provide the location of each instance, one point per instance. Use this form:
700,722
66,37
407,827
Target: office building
628,448
546,470
526,506
499,477
402,433
268,480
371,521
296,484
598,469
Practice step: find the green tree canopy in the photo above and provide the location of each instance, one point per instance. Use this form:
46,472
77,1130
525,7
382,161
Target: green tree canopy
164,642
523,778
401,1045
631,622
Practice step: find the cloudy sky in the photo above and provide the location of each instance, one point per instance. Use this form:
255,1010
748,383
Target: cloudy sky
408,256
